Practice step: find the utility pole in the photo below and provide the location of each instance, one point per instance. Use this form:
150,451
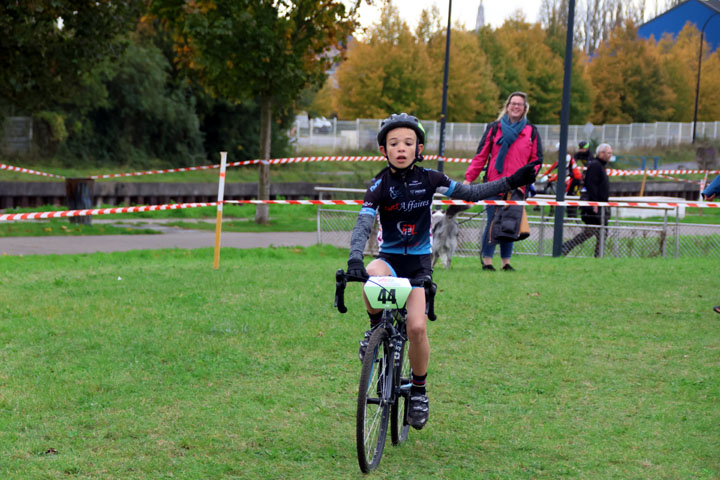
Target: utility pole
443,115
697,87
564,121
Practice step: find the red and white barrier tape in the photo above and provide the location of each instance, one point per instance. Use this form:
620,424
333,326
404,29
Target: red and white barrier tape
154,172
551,203
175,170
99,211
634,173
27,170
289,160
152,208
274,161
675,179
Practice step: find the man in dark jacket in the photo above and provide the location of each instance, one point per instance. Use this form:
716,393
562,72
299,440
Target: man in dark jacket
596,189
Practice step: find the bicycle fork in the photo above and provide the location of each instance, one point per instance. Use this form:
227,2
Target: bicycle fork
402,389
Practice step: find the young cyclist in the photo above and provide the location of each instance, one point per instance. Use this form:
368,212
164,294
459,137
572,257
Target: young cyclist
402,195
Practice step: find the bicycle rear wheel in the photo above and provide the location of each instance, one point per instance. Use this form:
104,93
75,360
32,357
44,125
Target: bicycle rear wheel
399,426
374,397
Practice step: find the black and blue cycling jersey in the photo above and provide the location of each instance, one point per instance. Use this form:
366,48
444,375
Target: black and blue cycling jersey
403,199
404,204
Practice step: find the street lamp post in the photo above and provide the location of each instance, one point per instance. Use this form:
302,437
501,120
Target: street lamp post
441,149
564,122
697,86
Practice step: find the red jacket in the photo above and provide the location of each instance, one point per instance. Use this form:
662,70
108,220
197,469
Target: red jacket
524,150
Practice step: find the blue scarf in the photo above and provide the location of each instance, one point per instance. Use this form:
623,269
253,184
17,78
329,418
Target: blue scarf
510,132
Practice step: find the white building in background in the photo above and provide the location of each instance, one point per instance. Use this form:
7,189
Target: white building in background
480,20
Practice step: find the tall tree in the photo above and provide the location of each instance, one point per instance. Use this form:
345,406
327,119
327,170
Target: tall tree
47,47
554,17
539,68
472,95
679,60
142,115
506,73
387,73
629,81
709,101
269,50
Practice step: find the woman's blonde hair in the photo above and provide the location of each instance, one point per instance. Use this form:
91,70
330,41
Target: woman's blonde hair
503,110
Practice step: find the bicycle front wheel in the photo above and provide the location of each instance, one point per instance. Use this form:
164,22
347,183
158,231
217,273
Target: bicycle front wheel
399,426
374,396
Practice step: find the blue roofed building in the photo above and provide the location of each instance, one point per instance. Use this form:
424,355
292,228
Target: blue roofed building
695,11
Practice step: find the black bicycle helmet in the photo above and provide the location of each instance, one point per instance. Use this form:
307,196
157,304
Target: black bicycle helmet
397,120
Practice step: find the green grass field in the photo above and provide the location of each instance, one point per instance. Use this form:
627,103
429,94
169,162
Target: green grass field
151,364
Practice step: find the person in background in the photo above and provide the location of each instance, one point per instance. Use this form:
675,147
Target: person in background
596,189
583,156
709,194
508,144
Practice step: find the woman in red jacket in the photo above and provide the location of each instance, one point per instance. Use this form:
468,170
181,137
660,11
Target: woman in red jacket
507,144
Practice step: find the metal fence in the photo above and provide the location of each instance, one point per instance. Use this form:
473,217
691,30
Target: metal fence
360,135
621,238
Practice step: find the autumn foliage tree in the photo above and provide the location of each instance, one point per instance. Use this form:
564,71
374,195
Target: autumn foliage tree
472,95
679,60
256,49
385,74
709,100
395,70
629,80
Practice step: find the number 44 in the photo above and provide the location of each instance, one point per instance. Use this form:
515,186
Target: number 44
387,295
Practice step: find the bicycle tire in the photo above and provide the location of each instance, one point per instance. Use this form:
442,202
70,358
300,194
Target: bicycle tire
399,426
374,395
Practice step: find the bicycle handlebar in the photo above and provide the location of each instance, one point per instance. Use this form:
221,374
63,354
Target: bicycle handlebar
342,279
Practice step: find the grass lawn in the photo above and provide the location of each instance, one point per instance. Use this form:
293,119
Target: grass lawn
62,227
150,364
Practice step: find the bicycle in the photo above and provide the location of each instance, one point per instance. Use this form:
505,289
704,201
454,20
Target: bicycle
385,377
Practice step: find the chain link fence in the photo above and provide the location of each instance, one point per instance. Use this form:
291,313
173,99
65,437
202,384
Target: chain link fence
360,135
620,238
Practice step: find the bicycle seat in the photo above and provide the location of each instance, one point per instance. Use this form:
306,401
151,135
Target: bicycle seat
387,292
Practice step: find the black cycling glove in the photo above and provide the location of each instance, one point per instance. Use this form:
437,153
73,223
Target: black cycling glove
356,268
525,175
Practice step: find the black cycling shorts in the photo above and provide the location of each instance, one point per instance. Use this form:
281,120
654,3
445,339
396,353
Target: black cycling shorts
408,266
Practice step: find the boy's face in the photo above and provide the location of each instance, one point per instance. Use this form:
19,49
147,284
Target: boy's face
400,147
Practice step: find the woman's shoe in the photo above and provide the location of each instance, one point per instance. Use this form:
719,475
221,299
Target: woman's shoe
488,267
508,268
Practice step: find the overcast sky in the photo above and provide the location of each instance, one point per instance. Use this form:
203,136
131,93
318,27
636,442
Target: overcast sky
463,11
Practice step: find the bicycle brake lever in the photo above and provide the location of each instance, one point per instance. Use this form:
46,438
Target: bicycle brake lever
340,283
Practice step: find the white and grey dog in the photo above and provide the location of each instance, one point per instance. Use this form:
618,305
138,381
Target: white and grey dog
444,233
